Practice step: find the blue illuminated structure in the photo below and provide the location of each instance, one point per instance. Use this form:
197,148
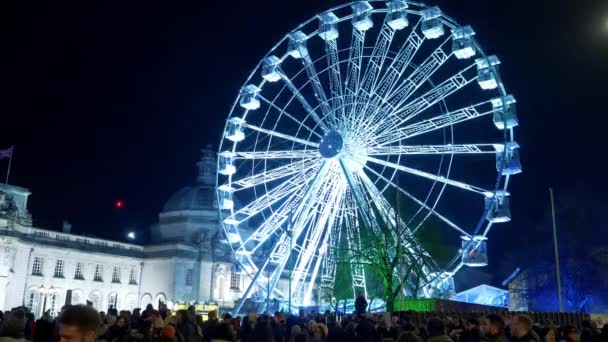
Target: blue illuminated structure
360,101
485,295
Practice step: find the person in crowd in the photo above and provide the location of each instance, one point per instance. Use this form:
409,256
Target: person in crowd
30,325
409,337
589,331
224,333
360,304
44,328
147,311
605,332
521,329
492,328
209,326
471,332
78,323
335,332
136,319
548,334
572,334
13,326
236,326
436,330
119,331
186,328
279,327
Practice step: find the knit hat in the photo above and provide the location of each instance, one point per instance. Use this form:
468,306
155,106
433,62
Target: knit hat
169,331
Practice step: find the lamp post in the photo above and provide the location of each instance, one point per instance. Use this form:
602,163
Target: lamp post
289,232
45,292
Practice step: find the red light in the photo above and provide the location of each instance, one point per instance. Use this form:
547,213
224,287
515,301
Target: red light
118,204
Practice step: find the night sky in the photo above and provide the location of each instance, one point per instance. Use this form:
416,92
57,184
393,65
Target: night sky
116,101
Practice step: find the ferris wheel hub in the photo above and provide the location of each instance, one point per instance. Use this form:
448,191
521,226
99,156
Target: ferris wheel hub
331,144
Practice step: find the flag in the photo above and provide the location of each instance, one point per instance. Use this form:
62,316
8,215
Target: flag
6,153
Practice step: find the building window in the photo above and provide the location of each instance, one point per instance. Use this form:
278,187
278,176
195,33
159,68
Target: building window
113,300
79,274
116,275
132,280
37,267
235,281
98,273
189,273
52,303
31,301
58,269
95,300
76,298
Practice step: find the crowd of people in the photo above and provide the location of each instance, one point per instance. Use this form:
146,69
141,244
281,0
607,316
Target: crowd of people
82,323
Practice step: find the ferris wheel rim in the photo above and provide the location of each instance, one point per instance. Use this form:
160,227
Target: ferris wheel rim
376,10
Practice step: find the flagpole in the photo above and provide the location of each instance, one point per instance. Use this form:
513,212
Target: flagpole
10,159
559,282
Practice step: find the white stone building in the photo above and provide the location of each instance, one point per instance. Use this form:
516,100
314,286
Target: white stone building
184,262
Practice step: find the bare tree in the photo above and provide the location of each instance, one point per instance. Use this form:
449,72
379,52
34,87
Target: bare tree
388,248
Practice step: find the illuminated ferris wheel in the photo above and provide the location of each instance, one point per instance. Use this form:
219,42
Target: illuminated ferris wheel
366,100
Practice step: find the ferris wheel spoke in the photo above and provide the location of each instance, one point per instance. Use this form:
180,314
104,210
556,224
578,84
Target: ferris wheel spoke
295,206
399,64
275,174
281,135
313,77
296,92
435,123
315,243
288,154
376,61
335,80
353,72
418,201
434,149
422,74
289,187
401,115
282,111
411,243
372,71
438,93
328,273
430,176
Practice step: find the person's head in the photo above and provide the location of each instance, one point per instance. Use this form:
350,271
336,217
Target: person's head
226,317
149,307
572,334
435,327
471,324
212,315
361,294
492,324
521,325
548,334
13,324
110,319
181,316
121,322
78,323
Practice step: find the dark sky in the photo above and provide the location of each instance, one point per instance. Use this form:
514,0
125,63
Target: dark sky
116,100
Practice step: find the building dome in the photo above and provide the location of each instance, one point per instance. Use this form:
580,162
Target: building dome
196,197
201,195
